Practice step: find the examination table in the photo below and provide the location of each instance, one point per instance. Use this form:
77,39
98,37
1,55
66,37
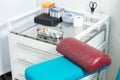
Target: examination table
79,60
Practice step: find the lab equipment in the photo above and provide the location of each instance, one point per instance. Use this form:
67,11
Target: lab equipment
93,6
56,12
47,20
49,34
79,61
78,23
46,7
68,16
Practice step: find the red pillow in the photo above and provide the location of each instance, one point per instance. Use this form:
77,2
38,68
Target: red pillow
83,55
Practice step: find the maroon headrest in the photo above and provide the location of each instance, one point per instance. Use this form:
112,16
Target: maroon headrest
83,55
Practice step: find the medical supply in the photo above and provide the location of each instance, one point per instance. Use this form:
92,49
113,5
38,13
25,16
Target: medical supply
41,32
93,6
78,23
56,12
47,20
45,30
46,6
49,33
68,16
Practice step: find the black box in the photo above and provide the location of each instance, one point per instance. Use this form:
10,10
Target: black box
47,20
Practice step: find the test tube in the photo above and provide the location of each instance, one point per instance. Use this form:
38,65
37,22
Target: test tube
38,30
45,30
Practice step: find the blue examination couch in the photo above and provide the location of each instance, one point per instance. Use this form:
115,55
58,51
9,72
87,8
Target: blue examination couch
57,69
118,75
67,68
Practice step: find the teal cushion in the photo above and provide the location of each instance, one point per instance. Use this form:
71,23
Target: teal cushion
118,75
56,69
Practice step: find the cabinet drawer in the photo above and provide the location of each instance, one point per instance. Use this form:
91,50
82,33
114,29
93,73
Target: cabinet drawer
30,55
19,70
18,77
33,43
97,40
90,77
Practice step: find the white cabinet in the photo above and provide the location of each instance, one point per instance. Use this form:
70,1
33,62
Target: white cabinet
27,50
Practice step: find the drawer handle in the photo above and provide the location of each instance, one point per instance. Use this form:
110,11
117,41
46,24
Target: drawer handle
25,62
21,75
26,46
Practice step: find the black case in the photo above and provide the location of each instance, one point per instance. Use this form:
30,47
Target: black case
47,20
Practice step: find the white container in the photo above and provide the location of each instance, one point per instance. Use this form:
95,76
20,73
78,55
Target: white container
78,23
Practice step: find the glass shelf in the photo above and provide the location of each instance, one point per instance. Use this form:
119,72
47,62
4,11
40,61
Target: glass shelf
26,27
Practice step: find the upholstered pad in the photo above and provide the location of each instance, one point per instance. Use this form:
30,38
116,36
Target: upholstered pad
57,69
118,75
83,55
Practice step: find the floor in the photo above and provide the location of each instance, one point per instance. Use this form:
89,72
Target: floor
6,76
